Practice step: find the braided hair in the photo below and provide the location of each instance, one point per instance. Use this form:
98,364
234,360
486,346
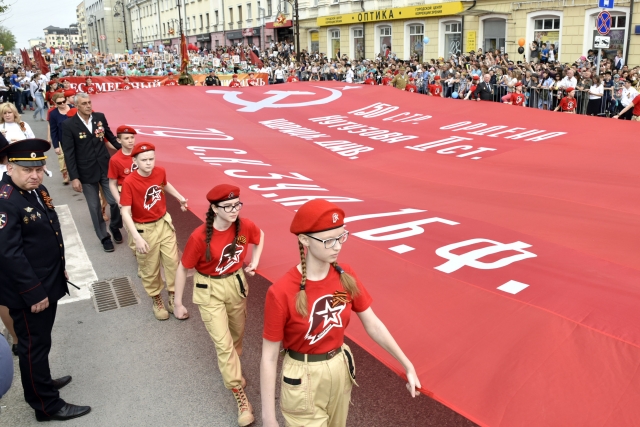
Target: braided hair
348,283
211,216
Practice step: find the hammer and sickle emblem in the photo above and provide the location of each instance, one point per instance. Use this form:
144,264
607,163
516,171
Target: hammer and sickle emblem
233,97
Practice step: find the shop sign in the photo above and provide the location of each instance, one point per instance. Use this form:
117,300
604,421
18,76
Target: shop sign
410,12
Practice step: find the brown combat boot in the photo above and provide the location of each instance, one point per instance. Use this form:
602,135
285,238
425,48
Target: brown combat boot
171,303
159,311
245,412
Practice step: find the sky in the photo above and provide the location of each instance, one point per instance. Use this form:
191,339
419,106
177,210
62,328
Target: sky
27,18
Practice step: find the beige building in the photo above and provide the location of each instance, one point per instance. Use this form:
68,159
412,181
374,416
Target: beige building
83,39
37,42
332,26
107,31
62,37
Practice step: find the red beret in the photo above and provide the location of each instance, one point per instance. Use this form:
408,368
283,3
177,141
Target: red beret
69,92
235,76
223,192
411,79
126,129
518,84
169,73
476,77
142,147
569,89
436,78
63,80
315,216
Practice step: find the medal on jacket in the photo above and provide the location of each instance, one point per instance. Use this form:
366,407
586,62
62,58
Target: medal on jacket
26,220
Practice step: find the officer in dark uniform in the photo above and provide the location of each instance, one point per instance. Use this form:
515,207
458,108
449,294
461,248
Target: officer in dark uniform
212,80
32,274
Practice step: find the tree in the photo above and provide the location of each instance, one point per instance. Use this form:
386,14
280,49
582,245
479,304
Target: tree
7,39
3,8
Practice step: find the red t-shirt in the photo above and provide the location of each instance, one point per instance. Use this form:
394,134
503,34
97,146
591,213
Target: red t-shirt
386,81
235,83
411,88
145,195
252,82
170,82
370,81
636,106
91,90
517,98
323,330
292,79
125,86
120,166
222,261
435,89
567,104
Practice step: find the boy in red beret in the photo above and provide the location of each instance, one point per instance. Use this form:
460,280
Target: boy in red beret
568,104
435,89
292,79
307,311
125,85
121,165
144,212
386,80
517,98
170,80
235,83
90,88
216,250
252,80
411,86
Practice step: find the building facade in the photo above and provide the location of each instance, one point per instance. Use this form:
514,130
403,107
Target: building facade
65,38
83,39
107,25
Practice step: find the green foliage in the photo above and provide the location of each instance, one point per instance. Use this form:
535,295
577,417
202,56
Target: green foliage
7,39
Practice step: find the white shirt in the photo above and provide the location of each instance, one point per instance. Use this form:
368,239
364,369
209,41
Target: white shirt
628,95
13,133
349,76
596,89
279,74
88,124
568,82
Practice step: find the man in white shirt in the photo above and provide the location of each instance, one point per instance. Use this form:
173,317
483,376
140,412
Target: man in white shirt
349,74
568,80
628,93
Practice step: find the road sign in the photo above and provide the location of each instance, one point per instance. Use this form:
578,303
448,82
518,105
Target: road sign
605,4
602,42
603,23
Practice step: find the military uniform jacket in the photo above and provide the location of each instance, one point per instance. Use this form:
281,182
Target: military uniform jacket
32,260
85,152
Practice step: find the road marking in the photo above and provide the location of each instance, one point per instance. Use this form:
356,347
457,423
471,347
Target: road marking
513,287
401,249
79,267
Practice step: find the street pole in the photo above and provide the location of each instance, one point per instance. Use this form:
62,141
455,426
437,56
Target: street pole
297,32
179,16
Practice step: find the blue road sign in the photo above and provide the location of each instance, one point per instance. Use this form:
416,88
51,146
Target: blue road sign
603,23
605,4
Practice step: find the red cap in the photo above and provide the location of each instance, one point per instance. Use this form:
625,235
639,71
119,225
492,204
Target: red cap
476,77
169,73
518,84
436,78
235,76
569,89
411,79
126,129
69,92
142,147
315,216
63,80
223,192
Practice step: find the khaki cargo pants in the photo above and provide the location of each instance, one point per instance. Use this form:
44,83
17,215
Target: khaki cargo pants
163,248
316,394
223,308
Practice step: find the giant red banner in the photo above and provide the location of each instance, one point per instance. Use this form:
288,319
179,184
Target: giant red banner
500,244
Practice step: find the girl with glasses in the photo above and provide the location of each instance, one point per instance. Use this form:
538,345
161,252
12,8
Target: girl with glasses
307,310
216,250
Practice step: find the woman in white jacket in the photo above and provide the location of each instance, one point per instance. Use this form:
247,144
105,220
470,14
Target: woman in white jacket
38,87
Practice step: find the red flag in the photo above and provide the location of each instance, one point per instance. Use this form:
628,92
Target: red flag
255,60
24,61
185,54
242,57
40,62
27,60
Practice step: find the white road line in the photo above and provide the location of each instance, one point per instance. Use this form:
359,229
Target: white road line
401,249
79,267
513,287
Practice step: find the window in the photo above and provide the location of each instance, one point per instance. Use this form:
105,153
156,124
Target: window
384,36
201,21
164,29
269,9
314,36
207,27
286,7
452,39
217,17
358,43
416,34
547,30
239,14
230,17
248,11
334,43
194,23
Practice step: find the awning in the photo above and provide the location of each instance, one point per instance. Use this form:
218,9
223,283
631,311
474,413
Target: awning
287,23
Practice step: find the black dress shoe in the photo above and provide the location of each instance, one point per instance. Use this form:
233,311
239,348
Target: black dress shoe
61,382
14,348
117,235
107,245
67,412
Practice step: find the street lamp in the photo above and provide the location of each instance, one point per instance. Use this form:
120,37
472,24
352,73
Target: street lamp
179,16
294,3
119,5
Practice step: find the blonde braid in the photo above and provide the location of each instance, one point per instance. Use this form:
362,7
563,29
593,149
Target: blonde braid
348,281
301,296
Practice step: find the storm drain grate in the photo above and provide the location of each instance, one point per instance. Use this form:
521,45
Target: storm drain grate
112,294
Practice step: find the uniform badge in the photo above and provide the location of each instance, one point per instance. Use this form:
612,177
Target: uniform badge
26,220
28,209
82,135
33,217
38,213
3,220
5,191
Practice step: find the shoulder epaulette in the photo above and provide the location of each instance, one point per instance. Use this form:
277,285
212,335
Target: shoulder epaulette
5,191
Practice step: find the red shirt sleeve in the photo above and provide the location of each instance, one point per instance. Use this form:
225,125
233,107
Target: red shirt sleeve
636,100
275,318
252,231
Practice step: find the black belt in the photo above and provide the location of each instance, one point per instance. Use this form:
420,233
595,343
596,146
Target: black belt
314,357
224,276
151,222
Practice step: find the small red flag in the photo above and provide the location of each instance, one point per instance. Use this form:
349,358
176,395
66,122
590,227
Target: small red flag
255,60
242,57
185,54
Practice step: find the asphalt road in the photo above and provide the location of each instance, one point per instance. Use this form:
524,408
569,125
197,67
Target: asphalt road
136,371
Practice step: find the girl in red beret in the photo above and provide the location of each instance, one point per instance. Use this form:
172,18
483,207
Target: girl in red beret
307,311
216,250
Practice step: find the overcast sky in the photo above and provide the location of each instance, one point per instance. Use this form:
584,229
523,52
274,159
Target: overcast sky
27,18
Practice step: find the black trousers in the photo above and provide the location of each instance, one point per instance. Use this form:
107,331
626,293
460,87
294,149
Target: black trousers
92,195
34,344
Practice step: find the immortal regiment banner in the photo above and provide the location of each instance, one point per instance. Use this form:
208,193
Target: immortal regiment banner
110,84
501,252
